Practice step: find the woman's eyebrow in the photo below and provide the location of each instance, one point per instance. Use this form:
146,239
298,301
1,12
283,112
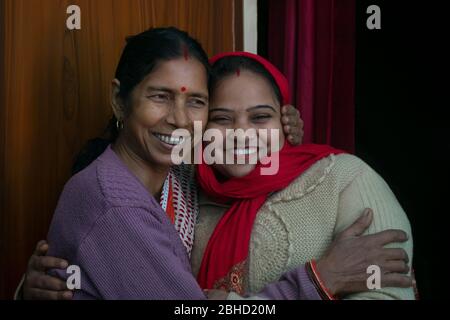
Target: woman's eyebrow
220,109
169,90
262,106
164,89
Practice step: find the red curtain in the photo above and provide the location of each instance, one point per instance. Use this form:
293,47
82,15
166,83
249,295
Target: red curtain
313,43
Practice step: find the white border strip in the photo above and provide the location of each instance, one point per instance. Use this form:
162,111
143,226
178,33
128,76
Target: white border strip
250,13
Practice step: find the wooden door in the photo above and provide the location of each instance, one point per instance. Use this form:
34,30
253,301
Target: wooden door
54,93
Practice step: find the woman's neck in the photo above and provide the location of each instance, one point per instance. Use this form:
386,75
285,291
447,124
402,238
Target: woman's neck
151,176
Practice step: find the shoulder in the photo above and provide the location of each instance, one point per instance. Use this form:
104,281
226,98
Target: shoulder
81,188
108,181
346,168
103,189
336,171
118,186
351,170
348,164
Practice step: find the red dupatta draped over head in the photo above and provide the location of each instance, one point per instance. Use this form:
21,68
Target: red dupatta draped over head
224,260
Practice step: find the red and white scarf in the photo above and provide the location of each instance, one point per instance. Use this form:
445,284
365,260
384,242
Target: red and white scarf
179,198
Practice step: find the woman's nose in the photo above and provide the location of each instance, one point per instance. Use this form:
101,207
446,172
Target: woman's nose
178,116
243,124
244,132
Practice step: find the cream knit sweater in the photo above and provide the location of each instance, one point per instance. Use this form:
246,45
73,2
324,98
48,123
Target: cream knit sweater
298,223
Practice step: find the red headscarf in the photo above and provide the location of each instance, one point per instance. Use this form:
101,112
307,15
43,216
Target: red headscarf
223,264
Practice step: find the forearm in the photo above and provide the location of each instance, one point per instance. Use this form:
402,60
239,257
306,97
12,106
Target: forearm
293,285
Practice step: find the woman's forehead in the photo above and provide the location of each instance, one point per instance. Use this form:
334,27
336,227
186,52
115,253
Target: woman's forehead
243,90
179,74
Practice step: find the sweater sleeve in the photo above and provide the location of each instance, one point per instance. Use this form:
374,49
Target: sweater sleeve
129,255
293,285
369,190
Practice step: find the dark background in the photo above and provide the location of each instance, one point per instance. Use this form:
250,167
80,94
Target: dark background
400,126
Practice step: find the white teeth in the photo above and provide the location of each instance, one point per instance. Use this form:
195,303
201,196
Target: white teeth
247,151
169,139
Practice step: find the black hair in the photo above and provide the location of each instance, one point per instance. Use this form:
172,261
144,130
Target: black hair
141,55
227,66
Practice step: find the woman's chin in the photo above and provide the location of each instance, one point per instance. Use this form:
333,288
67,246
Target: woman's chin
237,170
162,159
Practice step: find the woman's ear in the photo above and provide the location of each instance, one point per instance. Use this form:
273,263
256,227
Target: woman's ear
116,101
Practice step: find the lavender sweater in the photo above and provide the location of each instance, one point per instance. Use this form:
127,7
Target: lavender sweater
108,224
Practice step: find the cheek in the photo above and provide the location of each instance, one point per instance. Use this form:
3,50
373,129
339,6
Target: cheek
215,131
275,124
234,170
200,115
147,115
282,137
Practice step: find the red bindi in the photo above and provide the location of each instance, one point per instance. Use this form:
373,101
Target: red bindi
238,72
183,89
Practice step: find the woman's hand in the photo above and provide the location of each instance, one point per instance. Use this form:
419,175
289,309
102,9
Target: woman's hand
40,286
292,124
343,268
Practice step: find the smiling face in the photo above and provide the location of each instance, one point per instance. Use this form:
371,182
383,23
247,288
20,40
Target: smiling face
172,96
244,101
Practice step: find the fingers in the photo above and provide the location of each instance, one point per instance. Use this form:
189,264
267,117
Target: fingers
388,236
395,254
292,124
47,282
289,109
44,263
294,139
301,124
290,115
396,280
39,294
41,248
294,134
290,120
396,266
360,225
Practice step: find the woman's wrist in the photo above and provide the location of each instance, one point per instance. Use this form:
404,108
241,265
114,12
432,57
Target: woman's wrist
325,290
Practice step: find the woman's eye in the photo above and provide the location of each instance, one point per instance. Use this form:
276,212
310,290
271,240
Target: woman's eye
159,97
197,103
221,120
261,117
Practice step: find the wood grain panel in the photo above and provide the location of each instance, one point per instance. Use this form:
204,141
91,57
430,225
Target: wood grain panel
54,92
